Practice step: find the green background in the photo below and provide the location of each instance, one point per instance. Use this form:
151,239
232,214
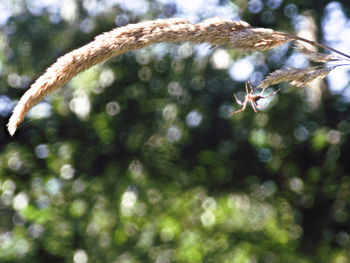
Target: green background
157,171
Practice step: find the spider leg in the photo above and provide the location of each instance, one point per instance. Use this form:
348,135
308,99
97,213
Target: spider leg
251,87
262,92
246,87
243,108
254,106
273,93
238,101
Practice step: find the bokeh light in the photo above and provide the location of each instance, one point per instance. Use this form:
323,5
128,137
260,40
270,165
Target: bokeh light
140,159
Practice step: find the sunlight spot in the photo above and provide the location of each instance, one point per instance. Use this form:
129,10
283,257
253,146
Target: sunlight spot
241,69
296,184
5,105
265,155
80,104
301,133
87,25
145,74
41,151
69,10
333,136
167,234
106,78
41,110
175,88
208,218
336,33
8,187
173,133
67,171
43,202
14,80
14,163
112,108
194,118
22,246
53,186
297,60
20,201
255,6
35,230
80,256
169,112
209,203
221,59
185,50
138,7
128,202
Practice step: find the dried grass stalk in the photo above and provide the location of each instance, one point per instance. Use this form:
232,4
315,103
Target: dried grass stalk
297,77
215,31
316,56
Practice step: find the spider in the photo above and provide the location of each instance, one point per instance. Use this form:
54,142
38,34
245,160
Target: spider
250,97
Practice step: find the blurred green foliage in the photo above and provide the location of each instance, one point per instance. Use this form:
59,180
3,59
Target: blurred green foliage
139,160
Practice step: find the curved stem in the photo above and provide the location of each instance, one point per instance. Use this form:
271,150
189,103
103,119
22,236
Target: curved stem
315,44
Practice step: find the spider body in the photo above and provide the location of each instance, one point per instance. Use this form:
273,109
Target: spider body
250,97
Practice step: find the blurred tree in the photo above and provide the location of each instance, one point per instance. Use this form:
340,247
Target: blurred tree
138,160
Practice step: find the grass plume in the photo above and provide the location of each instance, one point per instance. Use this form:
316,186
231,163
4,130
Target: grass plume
297,77
215,31
316,56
